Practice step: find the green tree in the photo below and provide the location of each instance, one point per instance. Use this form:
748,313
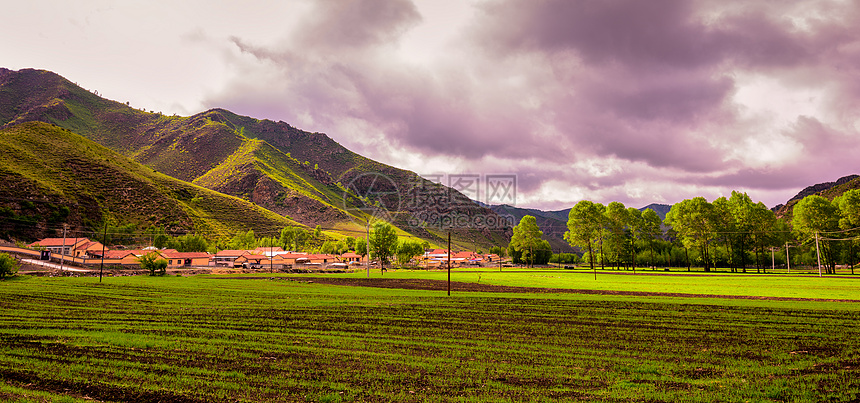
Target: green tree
849,209
565,258
635,226
543,253
383,241
300,239
740,208
349,242
293,238
8,265
849,219
152,263
329,247
189,243
361,247
812,216
527,238
407,249
585,227
615,221
287,238
243,240
693,220
763,227
160,240
650,231
498,250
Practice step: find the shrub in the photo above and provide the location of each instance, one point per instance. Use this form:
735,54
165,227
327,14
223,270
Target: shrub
152,263
8,265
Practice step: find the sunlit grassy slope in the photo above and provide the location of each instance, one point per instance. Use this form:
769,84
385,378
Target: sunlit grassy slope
44,162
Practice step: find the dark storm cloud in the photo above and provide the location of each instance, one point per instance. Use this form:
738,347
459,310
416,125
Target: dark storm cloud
648,87
665,71
606,99
657,32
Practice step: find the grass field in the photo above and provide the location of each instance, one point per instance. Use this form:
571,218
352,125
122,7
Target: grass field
270,338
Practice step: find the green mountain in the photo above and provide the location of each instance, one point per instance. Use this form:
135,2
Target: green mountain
829,190
306,176
52,176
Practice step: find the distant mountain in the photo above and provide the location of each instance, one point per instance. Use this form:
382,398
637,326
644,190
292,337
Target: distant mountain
305,176
660,209
52,177
550,223
830,190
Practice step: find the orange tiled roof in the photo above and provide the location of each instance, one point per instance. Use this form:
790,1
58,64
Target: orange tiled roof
185,255
58,242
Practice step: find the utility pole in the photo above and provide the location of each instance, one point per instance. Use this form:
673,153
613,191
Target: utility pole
818,253
63,250
449,263
787,260
772,260
102,265
367,245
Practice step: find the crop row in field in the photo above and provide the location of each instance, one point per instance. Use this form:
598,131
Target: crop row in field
270,339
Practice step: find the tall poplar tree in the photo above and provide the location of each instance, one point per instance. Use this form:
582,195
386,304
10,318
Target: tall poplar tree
527,237
585,227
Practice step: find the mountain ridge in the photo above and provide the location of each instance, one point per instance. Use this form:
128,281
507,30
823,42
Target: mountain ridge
307,176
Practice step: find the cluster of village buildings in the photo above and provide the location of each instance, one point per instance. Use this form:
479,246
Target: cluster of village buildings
85,252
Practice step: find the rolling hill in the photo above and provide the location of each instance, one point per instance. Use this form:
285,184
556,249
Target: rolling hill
306,176
53,176
829,190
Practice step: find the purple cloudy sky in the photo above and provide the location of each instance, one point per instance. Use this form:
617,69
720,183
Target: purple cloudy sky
631,101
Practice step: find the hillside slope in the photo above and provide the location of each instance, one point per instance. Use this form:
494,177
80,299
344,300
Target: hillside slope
829,190
290,171
53,176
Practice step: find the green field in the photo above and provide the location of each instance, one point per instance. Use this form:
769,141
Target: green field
271,338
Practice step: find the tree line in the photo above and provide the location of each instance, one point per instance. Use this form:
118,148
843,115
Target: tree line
734,233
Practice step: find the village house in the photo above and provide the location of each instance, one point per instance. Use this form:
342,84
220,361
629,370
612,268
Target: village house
436,254
467,257
121,257
77,247
267,251
250,261
227,257
264,257
186,259
322,258
350,258
287,259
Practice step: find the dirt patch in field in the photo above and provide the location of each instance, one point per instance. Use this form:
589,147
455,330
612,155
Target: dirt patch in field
441,285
